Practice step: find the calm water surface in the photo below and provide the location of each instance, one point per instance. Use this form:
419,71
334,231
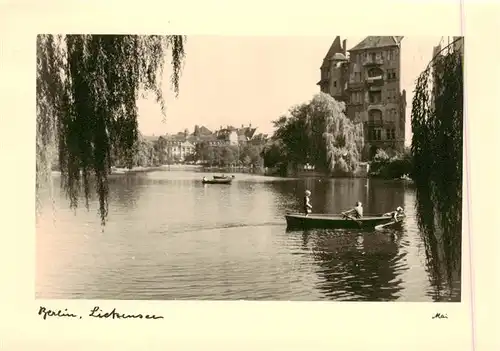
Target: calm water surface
168,236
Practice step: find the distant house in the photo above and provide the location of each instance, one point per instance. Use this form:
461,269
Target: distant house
181,145
246,134
200,131
178,147
258,139
235,136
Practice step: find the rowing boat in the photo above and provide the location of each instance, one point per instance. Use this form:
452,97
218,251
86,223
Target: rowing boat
222,177
330,221
217,181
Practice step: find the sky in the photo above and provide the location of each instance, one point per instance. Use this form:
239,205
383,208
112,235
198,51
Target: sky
230,80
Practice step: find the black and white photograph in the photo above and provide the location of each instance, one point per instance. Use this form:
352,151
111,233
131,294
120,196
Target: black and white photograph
276,168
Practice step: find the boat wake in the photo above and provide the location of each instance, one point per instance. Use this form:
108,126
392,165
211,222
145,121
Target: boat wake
221,226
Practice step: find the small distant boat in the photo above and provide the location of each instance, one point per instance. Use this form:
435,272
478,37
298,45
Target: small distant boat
214,180
405,178
331,221
223,177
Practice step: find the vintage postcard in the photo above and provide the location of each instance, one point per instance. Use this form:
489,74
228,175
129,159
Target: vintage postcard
276,189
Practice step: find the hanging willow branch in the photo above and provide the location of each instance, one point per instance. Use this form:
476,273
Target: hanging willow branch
87,92
437,125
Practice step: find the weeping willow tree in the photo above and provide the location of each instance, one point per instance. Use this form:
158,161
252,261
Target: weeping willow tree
319,133
437,125
87,91
343,138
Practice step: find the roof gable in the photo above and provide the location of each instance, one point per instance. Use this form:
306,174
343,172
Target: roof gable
372,42
335,48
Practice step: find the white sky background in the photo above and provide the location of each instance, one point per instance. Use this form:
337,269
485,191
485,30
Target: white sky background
240,80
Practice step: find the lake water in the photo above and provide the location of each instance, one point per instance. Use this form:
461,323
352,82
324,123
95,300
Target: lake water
168,236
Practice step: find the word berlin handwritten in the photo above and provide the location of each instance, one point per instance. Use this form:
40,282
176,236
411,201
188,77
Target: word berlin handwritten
96,312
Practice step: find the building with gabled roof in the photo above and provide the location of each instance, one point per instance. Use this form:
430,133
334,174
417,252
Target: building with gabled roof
367,78
377,42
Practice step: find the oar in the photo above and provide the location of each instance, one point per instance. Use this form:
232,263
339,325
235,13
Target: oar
382,226
351,218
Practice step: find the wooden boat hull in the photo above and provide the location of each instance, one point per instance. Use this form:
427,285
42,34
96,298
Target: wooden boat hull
222,177
323,221
217,181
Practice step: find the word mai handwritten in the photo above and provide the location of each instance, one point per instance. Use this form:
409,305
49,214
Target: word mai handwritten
96,312
440,316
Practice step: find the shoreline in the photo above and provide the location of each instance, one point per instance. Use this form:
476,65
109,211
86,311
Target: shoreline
140,169
194,168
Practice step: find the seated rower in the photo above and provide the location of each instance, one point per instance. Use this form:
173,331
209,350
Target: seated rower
394,214
307,203
356,212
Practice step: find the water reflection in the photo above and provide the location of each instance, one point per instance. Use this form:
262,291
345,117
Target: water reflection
125,191
357,267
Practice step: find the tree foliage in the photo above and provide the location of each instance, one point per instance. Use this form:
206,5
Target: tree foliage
387,167
229,155
143,155
437,124
318,133
87,89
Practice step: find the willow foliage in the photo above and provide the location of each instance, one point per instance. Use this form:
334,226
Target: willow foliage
343,138
87,89
319,133
437,146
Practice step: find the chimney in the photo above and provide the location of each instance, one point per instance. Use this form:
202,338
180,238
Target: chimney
344,46
250,125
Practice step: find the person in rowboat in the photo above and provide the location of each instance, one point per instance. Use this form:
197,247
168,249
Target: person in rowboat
356,212
394,214
307,203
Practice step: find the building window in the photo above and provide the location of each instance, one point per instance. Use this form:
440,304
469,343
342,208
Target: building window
391,74
390,95
390,134
335,84
375,97
356,97
374,134
375,72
